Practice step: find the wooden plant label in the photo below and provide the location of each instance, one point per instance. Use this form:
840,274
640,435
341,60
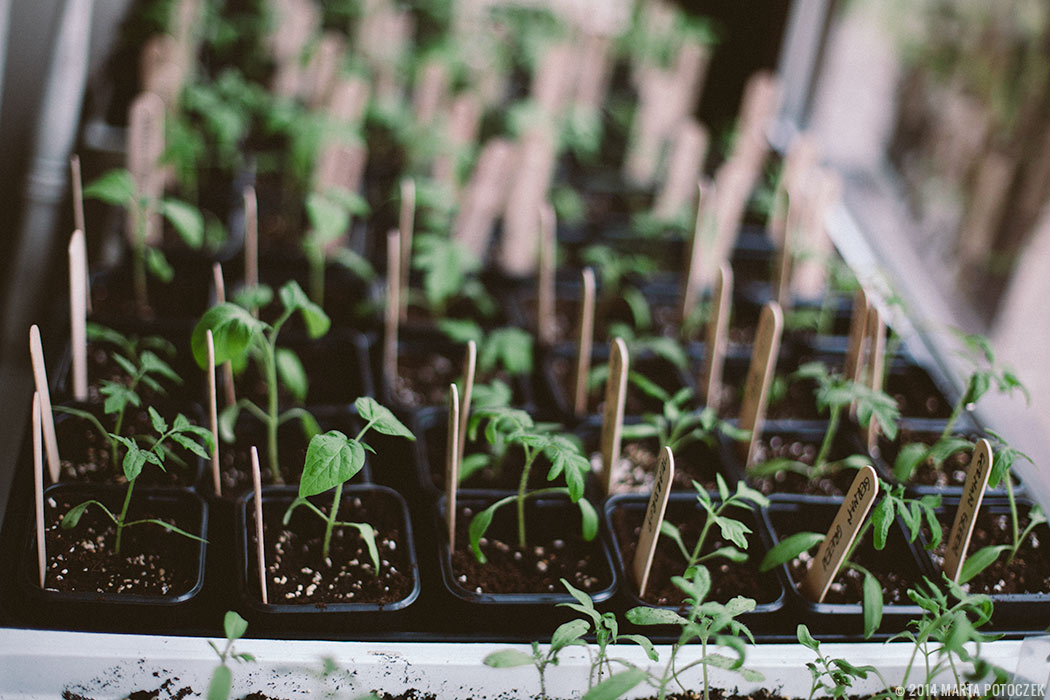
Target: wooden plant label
431,92
966,515
785,255
349,100
595,58
77,187
36,355
38,490
518,251
685,165
406,222
760,375
694,270
145,148
470,363
733,184
876,361
648,128
340,165
717,338
654,517
260,549
810,277
484,196
551,80
800,159
858,330
461,132
78,313
393,306
833,550
227,368
584,343
213,413
251,238
545,326
452,462
612,417
323,67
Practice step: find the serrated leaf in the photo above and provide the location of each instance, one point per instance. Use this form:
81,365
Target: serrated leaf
154,365
331,459
159,424
382,419
133,462
190,444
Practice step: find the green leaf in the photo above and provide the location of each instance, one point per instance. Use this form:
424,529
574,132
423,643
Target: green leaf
159,424
221,683
882,519
331,459
291,372
507,658
789,548
253,297
908,460
872,604
73,515
152,364
461,330
234,625
228,421
191,445
233,330
186,219
368,534
293,298
616,685
697,585
158,265
642,615
382,419
328,219
509,348
117,396
980,560
567,634
113,187
133,462
639,431
644,643
806,639
588,519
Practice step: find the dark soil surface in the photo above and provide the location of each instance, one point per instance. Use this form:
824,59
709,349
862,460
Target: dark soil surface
729,579
423,380
186,296
659,370
1029,572
298,574
501,474
334,376
803,449
152,560
952,472
554,550
916,394
893,566
85,454
638,459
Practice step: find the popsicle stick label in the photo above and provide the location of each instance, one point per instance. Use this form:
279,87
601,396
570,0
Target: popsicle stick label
785,256
213,413
484,196
688,150
612,417
717,338
833,550
145,147
545,327
876,360
694,270
260,549
78,313
858,329
654,517
470,363
36,355
452,464
251,238
393,306
406,222
38,490
760,374
966,515
584,342
78,192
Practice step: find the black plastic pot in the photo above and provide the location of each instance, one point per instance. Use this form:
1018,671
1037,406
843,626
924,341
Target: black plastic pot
189,512
623,511
549,520
177,304
845,620
345,614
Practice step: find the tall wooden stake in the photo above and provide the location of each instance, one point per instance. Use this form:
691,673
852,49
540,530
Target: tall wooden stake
612,417
584,342
78,313
38,490
545,326
393,306
717,338
654,517
36,354
260,549
213,414
78,220
251,238
452,461
406,224
760,375
470,362
227,367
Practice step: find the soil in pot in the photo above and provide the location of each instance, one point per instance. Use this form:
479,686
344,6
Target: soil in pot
185,296
423,378
638,459
916,393
801,447
86,454
728,579
561,369
894,566
152,562
951,474
297,572
1027,573
554,550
